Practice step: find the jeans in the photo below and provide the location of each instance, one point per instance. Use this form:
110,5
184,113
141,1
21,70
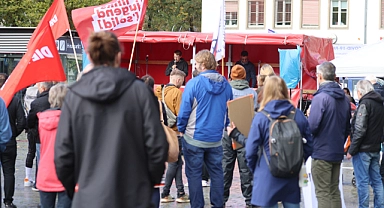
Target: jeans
156,197
366,168
205,174
48,199
194,158
326,180
8,161
229,159
285,205
174,171
37,161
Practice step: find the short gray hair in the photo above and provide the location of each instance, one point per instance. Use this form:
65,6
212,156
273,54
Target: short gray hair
46,85
57,94
364,86
328,70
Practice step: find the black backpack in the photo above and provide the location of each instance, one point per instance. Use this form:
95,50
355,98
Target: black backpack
285,145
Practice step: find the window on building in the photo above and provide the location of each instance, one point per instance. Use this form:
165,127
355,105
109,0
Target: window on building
283,13
339,13
382,13
310,13
231,11
255,13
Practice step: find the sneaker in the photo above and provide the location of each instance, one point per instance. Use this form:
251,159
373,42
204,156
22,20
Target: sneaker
9,205
34,187
167,199
205,183
28,183
183,199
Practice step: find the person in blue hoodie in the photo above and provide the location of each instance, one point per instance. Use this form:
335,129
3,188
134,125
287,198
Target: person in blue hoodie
268,190
329,120
202,119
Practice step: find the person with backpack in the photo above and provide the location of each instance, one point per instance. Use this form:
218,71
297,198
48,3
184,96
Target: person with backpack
170,95
278,143
329,120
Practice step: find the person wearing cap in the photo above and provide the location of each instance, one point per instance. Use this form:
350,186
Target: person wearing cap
240,88
249,68
265,71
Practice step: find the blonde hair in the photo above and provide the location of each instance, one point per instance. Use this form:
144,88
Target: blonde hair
267,70
274,89
205,57
57,94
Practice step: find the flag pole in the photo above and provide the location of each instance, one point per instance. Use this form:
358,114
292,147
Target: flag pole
74,51
222,66
134,43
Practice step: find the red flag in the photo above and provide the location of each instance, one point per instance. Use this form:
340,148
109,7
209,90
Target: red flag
117,16
41,63
57,18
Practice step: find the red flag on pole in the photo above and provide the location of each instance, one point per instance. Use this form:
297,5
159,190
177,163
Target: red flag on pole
117,16
57,18
41,63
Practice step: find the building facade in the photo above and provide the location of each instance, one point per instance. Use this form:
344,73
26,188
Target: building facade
352,22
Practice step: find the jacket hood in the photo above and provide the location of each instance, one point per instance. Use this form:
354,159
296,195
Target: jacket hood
213,82
103,84
332,89
277,108
49,119
239,84
159,90
373,95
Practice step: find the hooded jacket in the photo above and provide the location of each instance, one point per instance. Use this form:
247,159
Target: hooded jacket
203,111
329,121
241,88
40,104
46,176
172,97
368,124
274,189
110,143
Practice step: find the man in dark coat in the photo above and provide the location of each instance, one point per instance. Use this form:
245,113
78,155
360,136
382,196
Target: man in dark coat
8,158
249,68
367,134
178,63
329,121
40,104
110,146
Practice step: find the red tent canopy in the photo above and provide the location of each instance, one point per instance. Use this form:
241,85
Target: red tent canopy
154,50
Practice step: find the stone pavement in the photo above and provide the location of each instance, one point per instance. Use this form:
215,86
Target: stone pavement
26,198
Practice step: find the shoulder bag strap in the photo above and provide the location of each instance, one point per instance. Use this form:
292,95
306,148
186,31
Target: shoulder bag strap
161,112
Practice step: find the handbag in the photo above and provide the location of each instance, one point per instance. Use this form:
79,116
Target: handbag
173,141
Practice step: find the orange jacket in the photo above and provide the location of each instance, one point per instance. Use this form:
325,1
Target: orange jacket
172,97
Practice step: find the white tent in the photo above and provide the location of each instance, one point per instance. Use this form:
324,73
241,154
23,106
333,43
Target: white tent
369,60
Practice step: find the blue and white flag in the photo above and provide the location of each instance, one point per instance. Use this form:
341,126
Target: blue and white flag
218,39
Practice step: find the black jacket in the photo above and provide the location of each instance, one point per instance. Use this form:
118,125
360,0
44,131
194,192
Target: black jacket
40,104
16,119
110,142
182,65
368,124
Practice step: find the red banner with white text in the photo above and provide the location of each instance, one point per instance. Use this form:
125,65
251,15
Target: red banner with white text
41,63
57,18
117,16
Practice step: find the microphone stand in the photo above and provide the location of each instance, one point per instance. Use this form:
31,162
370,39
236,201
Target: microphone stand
146,64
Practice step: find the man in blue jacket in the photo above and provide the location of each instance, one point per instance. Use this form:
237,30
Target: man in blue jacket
202,119
329,121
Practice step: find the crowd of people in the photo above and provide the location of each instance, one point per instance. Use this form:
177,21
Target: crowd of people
100,142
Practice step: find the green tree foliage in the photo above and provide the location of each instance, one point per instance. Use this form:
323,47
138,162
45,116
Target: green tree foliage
176,15
161,15
28,13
